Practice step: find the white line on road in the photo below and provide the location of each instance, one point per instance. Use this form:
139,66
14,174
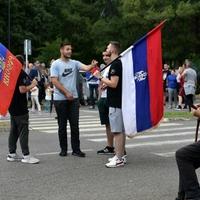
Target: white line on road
81,130
49,124
138,137
38,118
166,154
159,143
55,121
172,129
56,127
54,153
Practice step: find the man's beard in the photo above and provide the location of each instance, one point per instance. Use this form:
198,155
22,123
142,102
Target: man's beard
66,56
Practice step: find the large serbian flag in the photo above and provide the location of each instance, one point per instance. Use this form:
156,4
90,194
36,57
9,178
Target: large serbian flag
142,86
10,69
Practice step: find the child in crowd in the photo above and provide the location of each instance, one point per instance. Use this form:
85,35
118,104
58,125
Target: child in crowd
34,99
48,97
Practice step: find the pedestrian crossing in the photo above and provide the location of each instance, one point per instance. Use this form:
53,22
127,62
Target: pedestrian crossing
162,141
165,139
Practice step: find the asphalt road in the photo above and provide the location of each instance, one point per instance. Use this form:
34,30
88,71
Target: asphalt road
150,174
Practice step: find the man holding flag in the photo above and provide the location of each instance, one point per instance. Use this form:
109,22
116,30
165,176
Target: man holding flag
19,119
13,88
114,96
141,84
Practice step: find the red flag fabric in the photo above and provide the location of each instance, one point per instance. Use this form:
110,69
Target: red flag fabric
10,69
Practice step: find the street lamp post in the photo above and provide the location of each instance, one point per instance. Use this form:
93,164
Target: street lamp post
8,24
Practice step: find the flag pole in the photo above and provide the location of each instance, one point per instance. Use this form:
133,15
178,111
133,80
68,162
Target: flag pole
123,53
197,129
129,48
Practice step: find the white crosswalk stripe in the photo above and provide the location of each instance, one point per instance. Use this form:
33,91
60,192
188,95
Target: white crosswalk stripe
166,134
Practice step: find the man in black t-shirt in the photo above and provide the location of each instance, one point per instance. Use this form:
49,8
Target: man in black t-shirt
19,119
114,96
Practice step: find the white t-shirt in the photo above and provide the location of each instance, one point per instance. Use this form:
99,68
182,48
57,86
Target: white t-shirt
48,93
105,75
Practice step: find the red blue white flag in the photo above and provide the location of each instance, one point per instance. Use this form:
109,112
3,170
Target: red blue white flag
142,84
10,69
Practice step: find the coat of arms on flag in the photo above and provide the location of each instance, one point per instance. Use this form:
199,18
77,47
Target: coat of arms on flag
10,69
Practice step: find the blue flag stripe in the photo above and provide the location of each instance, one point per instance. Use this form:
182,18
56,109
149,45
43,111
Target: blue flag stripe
143,116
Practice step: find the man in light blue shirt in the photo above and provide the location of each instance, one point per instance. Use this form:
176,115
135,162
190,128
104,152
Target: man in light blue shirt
64,73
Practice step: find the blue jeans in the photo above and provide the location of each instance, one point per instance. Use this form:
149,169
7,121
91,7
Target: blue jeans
68,110
93,88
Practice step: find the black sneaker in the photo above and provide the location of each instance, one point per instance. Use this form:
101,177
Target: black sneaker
178,107
185,107
63,153
78,153
106,150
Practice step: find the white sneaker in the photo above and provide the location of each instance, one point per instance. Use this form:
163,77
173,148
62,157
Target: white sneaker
124,158
113,158
30,160
115,163
13,157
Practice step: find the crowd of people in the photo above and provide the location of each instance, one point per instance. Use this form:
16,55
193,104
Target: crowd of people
179,86
40,97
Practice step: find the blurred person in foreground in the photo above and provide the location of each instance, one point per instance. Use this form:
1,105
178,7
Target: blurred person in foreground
188,160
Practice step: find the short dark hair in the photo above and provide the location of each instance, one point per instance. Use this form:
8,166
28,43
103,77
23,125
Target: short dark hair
116,44
20,58
64,43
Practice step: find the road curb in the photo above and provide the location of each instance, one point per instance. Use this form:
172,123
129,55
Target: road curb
4,127
177,119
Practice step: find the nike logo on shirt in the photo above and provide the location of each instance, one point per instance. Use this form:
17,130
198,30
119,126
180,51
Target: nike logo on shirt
67,72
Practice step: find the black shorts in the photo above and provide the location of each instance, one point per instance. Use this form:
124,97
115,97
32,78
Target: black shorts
103,110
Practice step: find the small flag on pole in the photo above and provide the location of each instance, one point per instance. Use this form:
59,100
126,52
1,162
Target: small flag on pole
10,69
142,86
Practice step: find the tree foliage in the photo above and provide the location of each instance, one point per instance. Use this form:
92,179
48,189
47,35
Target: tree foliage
90,24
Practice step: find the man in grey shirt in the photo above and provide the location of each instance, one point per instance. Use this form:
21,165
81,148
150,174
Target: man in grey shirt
64,73
190,79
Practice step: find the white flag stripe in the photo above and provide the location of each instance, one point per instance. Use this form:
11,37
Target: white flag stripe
128,94
159,143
